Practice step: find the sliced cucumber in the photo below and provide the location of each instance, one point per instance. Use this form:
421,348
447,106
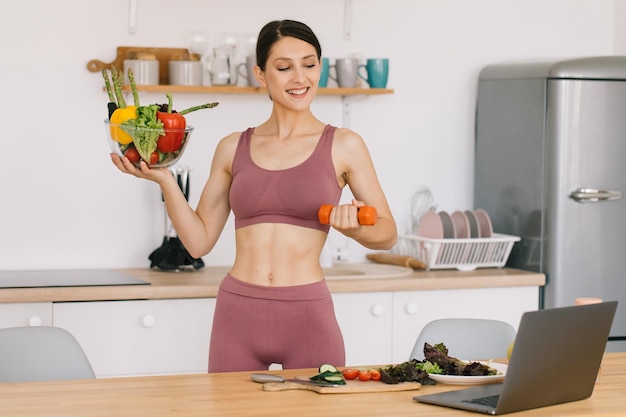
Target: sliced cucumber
320,377
327,368
335,379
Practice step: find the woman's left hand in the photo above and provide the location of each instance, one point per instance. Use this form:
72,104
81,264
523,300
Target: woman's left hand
344,217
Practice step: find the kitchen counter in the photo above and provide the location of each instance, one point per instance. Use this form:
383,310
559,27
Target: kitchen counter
233,394
204,284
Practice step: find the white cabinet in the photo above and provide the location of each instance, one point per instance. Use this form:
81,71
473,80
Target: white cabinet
366,323
141,337
25,314
381,327
413,309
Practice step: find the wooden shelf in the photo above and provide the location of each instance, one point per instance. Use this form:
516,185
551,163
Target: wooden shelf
253,90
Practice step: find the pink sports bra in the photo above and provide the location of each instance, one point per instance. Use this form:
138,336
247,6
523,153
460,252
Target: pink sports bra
293,195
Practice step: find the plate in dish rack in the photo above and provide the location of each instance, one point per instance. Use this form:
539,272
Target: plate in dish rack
472,380
430,225
484,223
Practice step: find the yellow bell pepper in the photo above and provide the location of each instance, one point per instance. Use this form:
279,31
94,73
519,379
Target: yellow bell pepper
123,112
118,116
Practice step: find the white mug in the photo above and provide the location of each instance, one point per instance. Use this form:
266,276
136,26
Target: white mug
185,73
145,71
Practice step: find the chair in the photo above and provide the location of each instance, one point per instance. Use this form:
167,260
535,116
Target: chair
468,339
41,353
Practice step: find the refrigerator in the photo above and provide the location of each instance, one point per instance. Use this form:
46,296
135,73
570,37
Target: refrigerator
550,167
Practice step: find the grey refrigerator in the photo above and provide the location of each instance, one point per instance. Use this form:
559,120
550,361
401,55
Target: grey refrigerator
550,167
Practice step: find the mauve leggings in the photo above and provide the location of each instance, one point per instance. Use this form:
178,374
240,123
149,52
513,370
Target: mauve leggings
255,326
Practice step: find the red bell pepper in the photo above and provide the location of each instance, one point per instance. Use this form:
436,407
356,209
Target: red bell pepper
174,125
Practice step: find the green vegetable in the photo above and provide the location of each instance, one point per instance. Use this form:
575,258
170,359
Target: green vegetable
200,107
322,375
408,371
438,354
431,368
145,130
329,373
327,368
336,379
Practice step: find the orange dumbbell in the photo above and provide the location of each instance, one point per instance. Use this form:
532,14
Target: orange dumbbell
367,215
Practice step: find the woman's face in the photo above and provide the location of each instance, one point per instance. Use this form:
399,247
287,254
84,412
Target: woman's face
292,73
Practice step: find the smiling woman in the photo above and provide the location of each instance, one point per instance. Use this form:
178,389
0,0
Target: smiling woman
274,305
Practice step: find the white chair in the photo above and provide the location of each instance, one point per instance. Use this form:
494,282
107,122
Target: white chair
468,339
41,353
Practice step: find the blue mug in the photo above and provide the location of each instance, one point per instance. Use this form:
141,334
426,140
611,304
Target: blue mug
325,63
377,72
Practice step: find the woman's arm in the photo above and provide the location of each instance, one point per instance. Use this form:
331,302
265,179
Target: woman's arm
198,230
353,161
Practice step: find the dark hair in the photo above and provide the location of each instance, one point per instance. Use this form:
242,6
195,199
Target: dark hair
277,29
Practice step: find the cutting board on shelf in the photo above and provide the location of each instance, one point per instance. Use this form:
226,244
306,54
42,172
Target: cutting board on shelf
351,387
163,55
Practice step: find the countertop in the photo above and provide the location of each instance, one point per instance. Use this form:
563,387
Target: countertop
204,284
233,394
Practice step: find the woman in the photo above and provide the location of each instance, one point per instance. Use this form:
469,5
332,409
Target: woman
274,306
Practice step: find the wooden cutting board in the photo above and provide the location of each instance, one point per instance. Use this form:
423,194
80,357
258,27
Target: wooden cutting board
163,55
351,387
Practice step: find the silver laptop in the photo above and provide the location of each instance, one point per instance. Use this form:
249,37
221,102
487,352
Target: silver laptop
556,360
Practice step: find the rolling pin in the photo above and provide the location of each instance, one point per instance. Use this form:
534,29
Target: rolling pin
367,216
392,259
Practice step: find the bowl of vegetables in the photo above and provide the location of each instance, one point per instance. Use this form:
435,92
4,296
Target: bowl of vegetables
158,146
156,133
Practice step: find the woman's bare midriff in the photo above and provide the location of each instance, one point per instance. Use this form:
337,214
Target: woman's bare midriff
277,254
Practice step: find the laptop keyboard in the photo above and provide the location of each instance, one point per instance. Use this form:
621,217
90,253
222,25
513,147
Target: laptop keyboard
490,401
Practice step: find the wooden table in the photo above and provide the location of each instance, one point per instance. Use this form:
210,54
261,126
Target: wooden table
233,394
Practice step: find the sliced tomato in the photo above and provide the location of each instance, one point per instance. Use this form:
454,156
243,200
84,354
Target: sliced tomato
375,374
350,373
365,375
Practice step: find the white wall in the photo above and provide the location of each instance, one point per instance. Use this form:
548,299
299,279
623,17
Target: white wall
64,205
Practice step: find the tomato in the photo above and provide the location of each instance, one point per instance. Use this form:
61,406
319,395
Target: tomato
350,373
365,375
154,158
375,374
132,155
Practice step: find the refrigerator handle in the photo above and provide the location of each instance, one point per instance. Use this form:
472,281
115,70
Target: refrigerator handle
586,195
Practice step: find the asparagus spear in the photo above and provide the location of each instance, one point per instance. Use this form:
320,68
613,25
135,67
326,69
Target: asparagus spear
200,107
112,105
117,86
133,86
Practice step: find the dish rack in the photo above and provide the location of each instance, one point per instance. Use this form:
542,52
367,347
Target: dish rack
461,254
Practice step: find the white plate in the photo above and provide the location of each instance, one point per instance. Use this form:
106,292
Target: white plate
472,380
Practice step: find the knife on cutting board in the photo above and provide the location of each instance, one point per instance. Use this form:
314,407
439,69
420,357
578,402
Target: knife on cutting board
265,378
329,388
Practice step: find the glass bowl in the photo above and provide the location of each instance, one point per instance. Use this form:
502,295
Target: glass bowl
170,143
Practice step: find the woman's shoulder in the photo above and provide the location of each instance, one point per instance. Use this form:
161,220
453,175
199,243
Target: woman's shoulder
347,139
226,148
230,141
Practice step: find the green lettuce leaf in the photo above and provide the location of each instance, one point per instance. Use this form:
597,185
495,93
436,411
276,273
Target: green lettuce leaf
145,130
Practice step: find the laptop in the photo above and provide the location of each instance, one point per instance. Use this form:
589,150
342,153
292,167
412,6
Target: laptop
555,360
